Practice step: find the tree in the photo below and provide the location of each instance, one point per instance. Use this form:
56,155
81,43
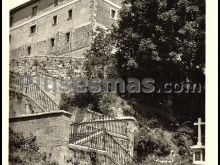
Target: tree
156,37
100,59
163,40
159,39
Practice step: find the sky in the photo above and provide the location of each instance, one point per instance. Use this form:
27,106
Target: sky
14,3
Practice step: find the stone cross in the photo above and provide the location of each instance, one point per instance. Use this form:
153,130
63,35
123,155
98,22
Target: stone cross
200,123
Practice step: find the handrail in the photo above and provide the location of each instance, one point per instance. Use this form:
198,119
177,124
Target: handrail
26,85
132,160
109,124
107,143
80,131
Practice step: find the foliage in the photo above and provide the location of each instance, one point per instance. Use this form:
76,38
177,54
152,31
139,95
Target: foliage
79,100
183,138
151,141
113,105
165,38
100,59
106,103
24,151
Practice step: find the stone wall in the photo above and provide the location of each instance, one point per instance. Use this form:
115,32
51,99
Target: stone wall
78,42
20,105
20,31
54,60
103,12
23,14
52,133
132,128
87,156
57,67
85,13
51,130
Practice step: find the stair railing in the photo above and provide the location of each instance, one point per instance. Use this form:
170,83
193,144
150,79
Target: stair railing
25,85
109,124
107,143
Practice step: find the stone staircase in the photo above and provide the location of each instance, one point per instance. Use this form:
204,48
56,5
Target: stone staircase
107,135
101,133
25,85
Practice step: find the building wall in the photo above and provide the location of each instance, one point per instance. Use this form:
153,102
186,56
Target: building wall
80,39
23,14
78,27
84,13
103,12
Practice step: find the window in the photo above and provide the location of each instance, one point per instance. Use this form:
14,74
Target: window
34,11
68,37
52,41
29,50
113,14
11,21
55,2
203,152
33,29
70,14
54,20
197,156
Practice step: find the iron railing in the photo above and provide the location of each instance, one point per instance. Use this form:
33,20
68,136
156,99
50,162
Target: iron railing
106,142
81,131
107,123
26,86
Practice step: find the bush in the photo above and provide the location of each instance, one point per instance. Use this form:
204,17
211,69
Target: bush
149,142
106,103
113,105
24,151
79,100
183,139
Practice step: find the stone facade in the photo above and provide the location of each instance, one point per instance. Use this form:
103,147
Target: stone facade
70,36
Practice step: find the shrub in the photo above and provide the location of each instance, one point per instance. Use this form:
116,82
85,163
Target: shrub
24,151
149,142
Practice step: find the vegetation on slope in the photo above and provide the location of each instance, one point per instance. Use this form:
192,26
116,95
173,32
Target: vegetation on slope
25,151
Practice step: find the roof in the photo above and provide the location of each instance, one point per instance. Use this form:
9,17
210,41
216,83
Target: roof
23,5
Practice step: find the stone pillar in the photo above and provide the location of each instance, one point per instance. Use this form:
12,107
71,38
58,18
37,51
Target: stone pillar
51,130
131,128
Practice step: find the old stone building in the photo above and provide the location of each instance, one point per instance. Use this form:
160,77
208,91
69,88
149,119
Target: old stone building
51,35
